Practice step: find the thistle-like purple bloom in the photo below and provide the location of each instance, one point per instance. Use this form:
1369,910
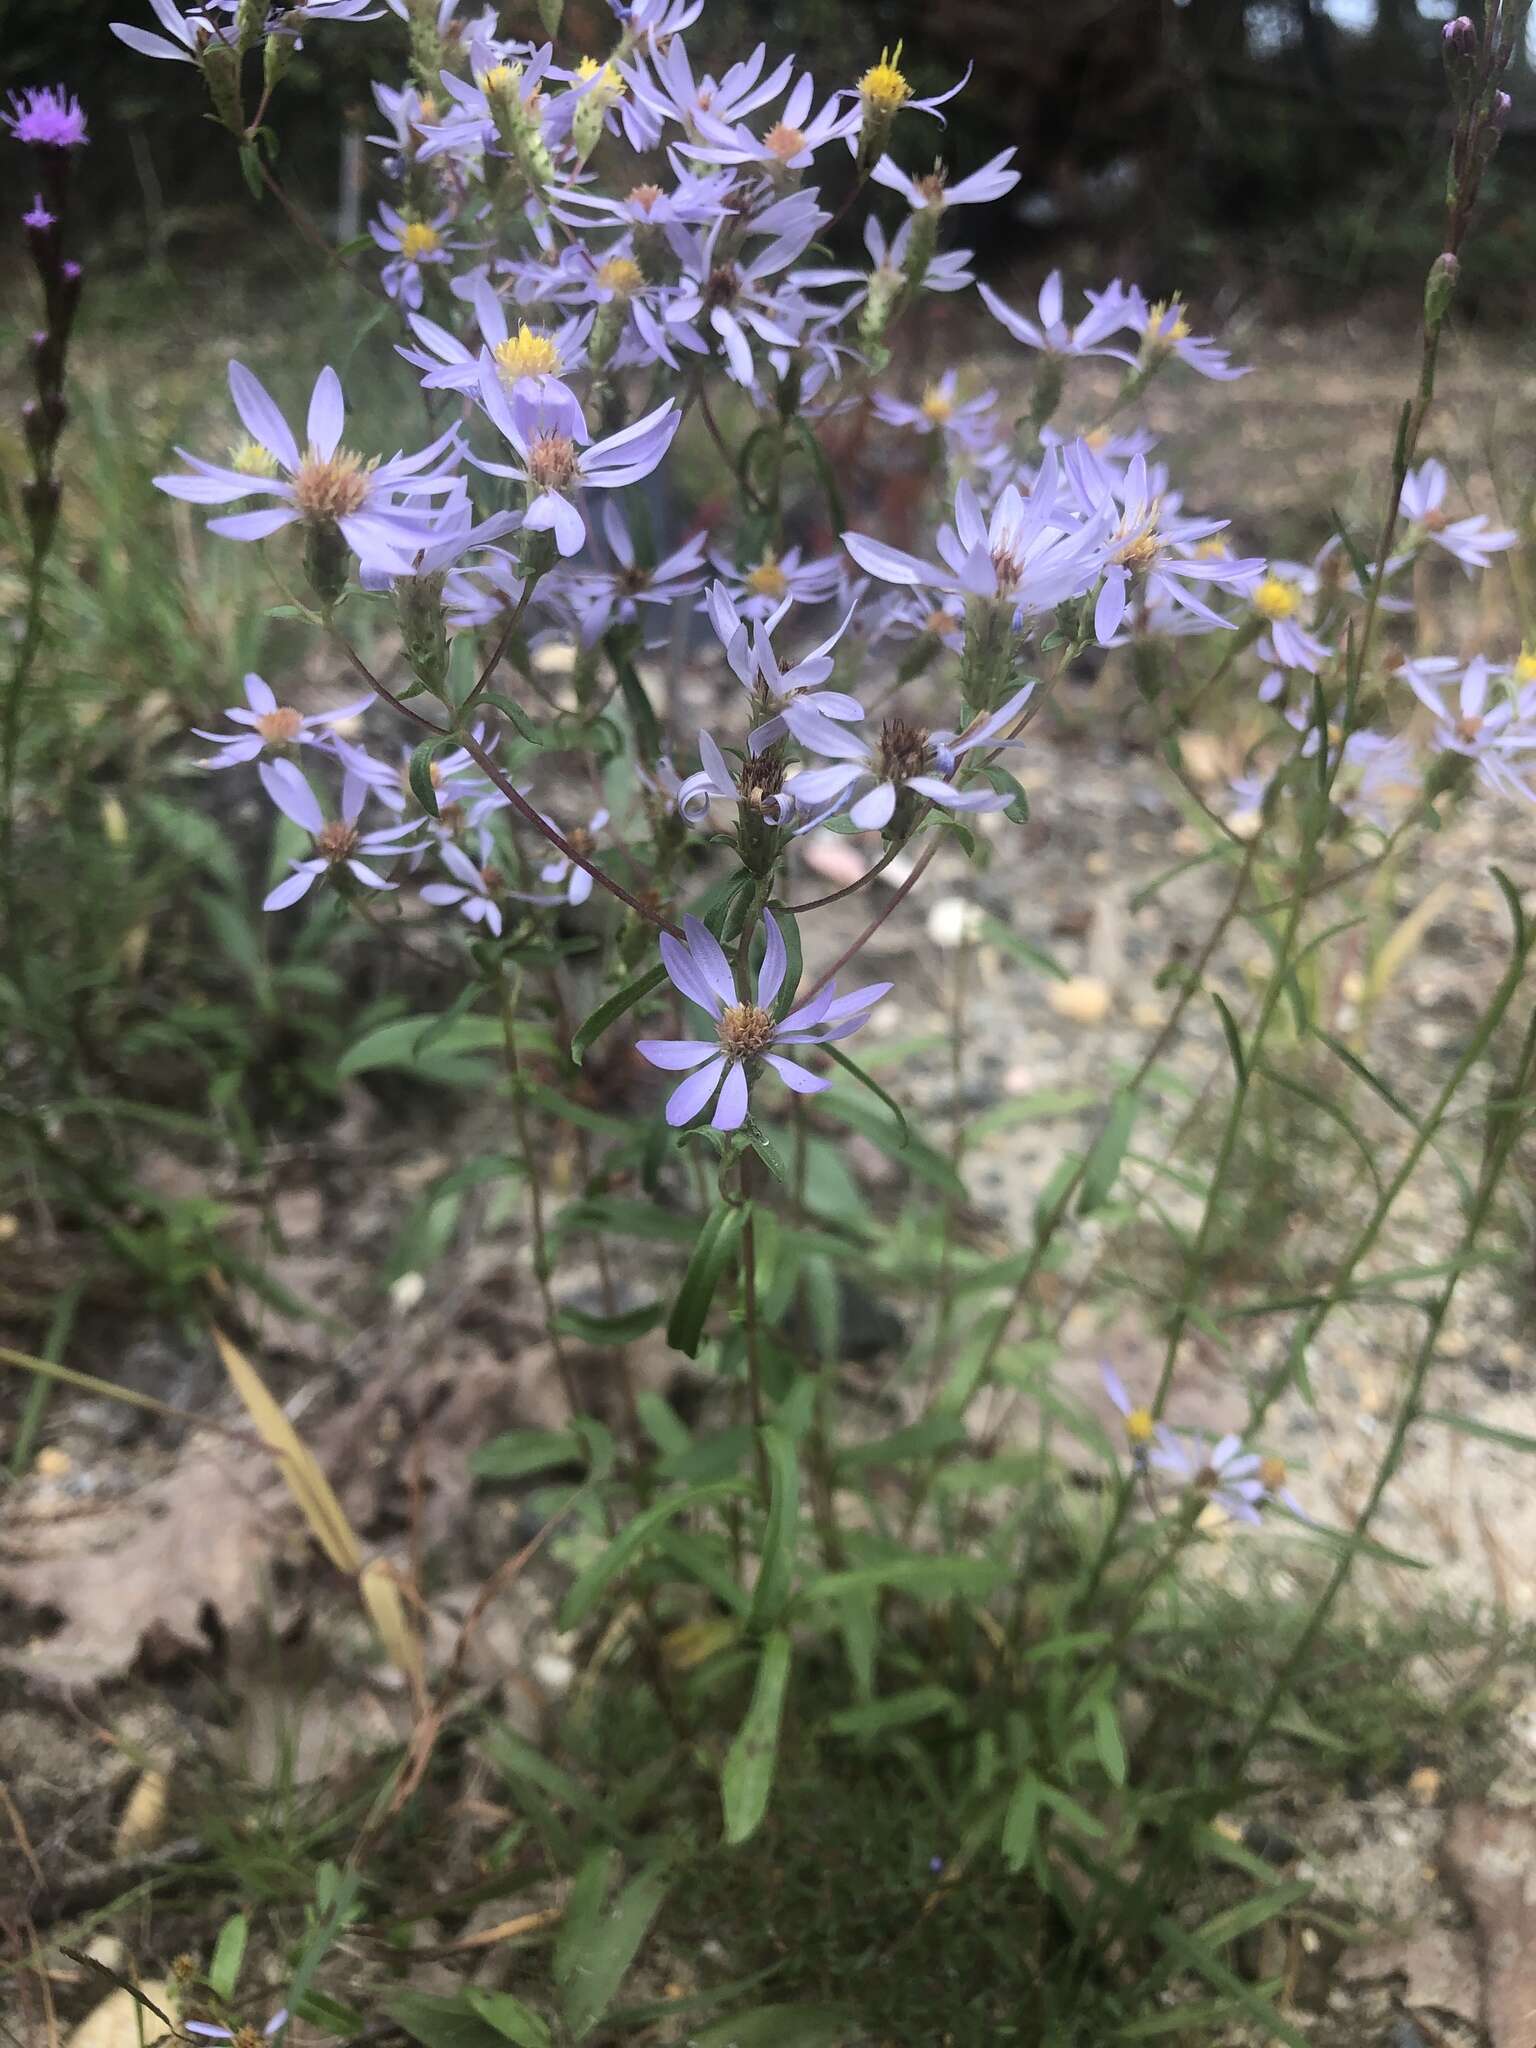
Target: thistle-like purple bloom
904,757
373,503
270,724
747,1033
46,117
338,843
553,466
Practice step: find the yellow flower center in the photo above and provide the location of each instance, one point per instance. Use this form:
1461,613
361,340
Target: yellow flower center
251,459
1213,550
1275,598
882,88
1139,551
1525,667
621,275
427,109
331,486
612,83
1272,1474
1166,323
499,79
1139,1425
767,579
419,239
1097,437
526,354
938,405
784,143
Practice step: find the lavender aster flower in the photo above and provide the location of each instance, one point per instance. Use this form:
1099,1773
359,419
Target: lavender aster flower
792,699
1471,541
1240,1482
337,844
965,421
185,34
747,1033
1165,331
47,117
473,890
410,243
209,2032
574,882
1107,314
1139,1425
789,145
551,464
904,757
756,786
326,485
990,182
270,724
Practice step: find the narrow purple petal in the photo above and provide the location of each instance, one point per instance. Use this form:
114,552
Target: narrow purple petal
690,1098
327,414
260,417
675,1055
796,1077
770,976
731,1110
709,959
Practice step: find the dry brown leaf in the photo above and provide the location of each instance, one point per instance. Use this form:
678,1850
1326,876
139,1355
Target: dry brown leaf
192,1541
121,2022
1490,1854
143,1821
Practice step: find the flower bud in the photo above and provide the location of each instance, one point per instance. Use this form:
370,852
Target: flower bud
1440,289
1458,41
423,628
221,74
276,56
1502,104
250,18
326,560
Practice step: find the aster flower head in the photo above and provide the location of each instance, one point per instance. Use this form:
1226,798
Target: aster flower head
1140,1428
869,779
934,191
759,589
267,723
535,356
338,842
1164,330
789,144
671,92
966,421
757,786
1152,547
883,92
46,117
1239,1482
553,466
411,244
748,1034
209,2032
473,892
786,700
376,505
742,297
1109,313
1472,541
570,877
617,590
186,35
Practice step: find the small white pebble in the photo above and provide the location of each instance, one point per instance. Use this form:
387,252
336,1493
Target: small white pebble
406,1292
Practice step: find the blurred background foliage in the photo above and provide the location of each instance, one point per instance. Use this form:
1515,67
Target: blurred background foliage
1292,147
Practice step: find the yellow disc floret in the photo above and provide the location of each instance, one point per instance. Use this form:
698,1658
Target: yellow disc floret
251,459
882,88
417,239
1139,1425
500,78
611,81
1275,598
621,275
528,353
767,579
938,405
1166,323
1525,666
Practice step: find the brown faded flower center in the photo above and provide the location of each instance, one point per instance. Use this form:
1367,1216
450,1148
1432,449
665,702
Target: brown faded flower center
336,842
331,486
492,880
1272,1474
581,841
280,728
784,142
939,623
552,462
761,777
644,196
746,1031
1434,520
723,285
932,187
904,750
1469,727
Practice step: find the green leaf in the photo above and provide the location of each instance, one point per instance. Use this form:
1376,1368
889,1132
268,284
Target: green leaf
767,1151
228,1955
925,1578
616,1329
789,931
747,1778
610,1012
1020,1821
609,1948
520,1763
778,2026
1234,1040
636,703
896,1710
1108,1742
194,837
1511,1438
919,1158
777,1569
440,2022
632,1538
513,2020
1017,811
923,1439
521,1451
1070,1812
1103,1167
396,1045
851,1066
712,1253
826,474
419,773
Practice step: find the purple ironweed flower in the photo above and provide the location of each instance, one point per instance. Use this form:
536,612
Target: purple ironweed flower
1164,331
715,782
326,485
270,724
904,757
1034,553
1238,1481
1108,314
552,464
746,1032
411,243
790,144
211,2032
1140,1427
184,38
966,421
990,182
602,595
47,117
793,698
475,894
760,590
338,844
37,217
574,882
1471,541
